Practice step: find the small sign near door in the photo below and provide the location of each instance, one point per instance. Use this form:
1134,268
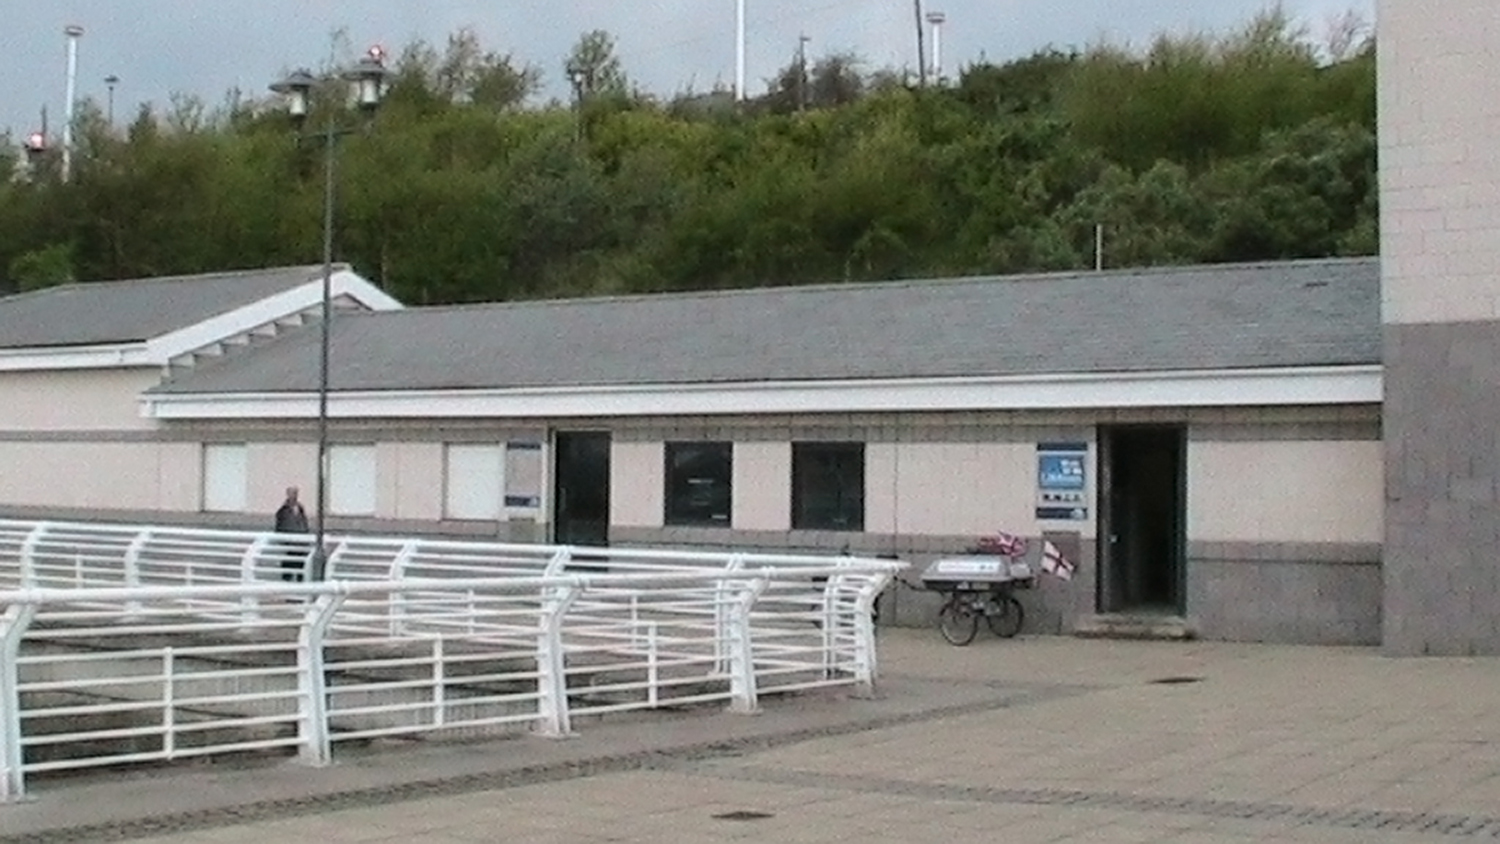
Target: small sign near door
1062,481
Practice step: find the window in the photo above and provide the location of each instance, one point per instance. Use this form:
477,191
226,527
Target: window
224,479
351,480
828,486
475,476
698,483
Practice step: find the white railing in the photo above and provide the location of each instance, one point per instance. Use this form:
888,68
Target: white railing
93,673
73,555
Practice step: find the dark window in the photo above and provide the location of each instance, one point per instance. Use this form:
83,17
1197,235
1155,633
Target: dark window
698,483
828,486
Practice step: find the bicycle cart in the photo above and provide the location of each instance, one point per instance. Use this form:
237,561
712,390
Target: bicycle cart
979,586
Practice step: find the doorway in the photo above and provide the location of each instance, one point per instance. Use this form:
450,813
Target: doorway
1142,519
580,493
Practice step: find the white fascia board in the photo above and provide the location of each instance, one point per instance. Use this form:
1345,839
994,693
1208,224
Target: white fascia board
265,311
1207,388
160,351
109,356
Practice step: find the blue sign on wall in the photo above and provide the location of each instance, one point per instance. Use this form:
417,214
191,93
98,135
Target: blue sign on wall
1060,472
1062,481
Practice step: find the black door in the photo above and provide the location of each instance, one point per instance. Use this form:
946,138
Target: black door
1142,529
581,488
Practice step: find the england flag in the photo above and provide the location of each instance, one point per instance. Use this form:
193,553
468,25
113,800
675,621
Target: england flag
1003,544
1054,563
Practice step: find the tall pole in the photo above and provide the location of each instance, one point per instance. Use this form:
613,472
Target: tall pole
739,50
937,19
111,81
802,72
921,47
74,32
319,562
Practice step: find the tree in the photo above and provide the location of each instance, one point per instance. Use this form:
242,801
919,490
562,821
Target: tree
1251,145
596,65
46,267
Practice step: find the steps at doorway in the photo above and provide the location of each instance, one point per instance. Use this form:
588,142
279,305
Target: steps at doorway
1134,626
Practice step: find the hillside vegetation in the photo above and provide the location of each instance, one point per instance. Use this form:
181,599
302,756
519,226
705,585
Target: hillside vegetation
1248,145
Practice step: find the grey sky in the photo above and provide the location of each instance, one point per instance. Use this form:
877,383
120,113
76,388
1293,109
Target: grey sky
206,47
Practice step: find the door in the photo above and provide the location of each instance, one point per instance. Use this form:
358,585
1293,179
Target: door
580,495
1143,519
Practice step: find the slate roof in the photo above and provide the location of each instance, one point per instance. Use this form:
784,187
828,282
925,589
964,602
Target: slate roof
1305,313
108,312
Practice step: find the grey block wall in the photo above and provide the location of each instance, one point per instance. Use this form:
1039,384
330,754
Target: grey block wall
1442,531
1286,593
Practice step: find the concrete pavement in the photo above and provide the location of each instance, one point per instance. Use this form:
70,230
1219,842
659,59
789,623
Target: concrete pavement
1030,740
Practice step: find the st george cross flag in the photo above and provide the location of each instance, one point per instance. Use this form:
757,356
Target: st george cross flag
1004,544
1054,563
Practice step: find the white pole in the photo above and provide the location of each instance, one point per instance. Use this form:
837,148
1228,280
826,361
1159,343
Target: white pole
74,32
937,51
739,55
1099,247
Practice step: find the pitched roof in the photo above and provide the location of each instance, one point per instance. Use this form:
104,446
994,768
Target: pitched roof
109,312
1292,314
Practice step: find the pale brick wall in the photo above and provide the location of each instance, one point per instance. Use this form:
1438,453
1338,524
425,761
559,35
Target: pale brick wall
1440,160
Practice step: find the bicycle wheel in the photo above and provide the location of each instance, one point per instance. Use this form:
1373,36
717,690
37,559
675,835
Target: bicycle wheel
1007,618
958,621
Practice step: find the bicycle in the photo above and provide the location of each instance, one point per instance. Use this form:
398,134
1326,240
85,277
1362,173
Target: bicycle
1002,612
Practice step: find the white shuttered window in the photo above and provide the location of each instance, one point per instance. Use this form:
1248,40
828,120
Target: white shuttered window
224,478
351,480
475,482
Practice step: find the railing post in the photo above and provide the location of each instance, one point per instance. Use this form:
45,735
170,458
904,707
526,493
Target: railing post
132,566
313,744
13,626
653,666
169,703
866,667
399,565
743,697
29,579
558,565
721,620
439,683
249,569
553,720
830,623
635,623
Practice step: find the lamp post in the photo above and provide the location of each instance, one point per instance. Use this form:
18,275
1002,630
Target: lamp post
111,81
578,75
368,78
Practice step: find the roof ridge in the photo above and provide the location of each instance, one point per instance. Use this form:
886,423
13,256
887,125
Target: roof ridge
168,279
889,284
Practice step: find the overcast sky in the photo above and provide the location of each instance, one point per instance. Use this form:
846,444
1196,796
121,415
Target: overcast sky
206,47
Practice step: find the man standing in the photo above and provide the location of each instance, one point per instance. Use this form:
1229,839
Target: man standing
292,518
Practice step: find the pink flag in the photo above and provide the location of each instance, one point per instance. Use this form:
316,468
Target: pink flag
1003,544
1055,564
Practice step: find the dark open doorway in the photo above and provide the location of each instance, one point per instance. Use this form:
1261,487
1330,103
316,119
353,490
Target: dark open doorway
1143,518
581,488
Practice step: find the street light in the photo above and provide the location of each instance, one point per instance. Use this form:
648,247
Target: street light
36,150
111,81
579,75
368,78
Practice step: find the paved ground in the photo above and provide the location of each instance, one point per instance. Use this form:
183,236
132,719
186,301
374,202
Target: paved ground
1032,740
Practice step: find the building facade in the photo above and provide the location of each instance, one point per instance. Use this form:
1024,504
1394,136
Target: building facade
1204,442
